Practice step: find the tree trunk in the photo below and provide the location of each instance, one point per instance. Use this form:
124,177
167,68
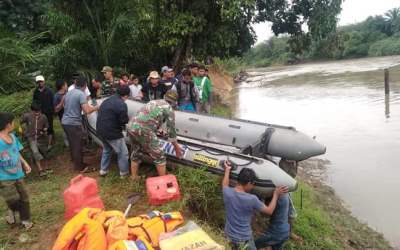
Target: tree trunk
177,61
188,52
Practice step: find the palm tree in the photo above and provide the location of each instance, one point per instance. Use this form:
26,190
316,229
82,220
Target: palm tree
89,34
392,18
16,58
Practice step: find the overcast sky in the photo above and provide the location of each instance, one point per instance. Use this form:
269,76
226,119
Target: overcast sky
352,11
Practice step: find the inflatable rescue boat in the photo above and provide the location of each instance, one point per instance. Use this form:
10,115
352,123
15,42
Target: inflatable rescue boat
197,153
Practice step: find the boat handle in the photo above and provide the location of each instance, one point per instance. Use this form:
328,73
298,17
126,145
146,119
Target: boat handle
234,126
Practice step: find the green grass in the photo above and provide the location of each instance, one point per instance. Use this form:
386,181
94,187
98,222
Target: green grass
313,223
221,110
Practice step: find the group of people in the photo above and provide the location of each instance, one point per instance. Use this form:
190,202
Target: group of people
189,91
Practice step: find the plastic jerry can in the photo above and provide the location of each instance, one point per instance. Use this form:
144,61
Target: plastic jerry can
82,192
162,189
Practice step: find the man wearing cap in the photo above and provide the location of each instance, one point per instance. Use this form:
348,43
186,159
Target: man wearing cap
43,95
168,80
112,119
153,90
110,82
143,129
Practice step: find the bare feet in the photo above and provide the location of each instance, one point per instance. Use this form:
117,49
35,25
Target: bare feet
135,178
296,237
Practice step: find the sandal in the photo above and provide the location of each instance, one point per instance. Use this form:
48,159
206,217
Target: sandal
42,173
88,170
27,224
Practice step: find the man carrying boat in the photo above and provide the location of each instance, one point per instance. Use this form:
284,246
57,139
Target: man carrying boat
240,207
143,129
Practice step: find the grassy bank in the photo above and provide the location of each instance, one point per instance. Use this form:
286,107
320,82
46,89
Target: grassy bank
322,221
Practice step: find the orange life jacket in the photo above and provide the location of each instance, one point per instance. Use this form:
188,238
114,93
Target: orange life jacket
140,243
150,226
82,232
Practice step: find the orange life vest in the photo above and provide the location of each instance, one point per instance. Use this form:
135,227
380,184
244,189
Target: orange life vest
82,232
150,226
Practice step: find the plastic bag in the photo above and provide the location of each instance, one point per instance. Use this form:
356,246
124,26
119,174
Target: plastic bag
188,237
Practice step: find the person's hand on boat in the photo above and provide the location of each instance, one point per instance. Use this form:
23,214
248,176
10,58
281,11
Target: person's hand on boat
178,151
162,133
281,190
227,165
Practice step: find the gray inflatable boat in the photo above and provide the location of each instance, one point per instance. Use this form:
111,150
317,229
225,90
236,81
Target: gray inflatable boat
246,137
212,156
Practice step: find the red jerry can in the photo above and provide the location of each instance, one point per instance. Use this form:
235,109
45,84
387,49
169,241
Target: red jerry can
82,192
162,189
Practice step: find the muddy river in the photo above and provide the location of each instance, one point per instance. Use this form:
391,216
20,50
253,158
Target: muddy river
343,104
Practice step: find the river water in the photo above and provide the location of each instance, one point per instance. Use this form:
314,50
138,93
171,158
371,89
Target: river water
343,104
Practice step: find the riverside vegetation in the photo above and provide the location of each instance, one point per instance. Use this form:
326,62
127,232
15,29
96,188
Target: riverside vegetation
376,36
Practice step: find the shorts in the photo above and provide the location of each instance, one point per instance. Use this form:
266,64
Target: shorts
145,141
38,148
15,195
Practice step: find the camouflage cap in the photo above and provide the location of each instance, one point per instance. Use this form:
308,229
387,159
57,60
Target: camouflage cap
106,69
171,96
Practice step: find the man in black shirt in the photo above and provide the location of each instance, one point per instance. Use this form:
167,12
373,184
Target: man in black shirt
153,90
111,120
43,95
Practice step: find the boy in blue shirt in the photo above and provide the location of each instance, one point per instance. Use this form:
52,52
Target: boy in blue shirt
12,188
240,207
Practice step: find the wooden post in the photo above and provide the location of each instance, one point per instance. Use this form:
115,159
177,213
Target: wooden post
387,106
387,82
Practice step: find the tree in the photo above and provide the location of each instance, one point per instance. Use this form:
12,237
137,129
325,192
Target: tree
145,34
22,15
289,16
16,58
392,17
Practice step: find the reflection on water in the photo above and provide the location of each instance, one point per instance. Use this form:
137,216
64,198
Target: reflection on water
343,103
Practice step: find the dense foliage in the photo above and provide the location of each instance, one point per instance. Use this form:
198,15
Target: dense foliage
58,38
376,36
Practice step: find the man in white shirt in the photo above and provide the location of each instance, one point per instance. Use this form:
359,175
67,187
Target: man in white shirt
87,92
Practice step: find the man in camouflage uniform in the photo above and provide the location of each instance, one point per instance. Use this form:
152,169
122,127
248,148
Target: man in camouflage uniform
110,83
143,129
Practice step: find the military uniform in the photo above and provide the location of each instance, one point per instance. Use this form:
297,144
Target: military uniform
143,130
108,87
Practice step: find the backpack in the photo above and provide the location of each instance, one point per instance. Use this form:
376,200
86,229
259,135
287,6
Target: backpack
191,87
